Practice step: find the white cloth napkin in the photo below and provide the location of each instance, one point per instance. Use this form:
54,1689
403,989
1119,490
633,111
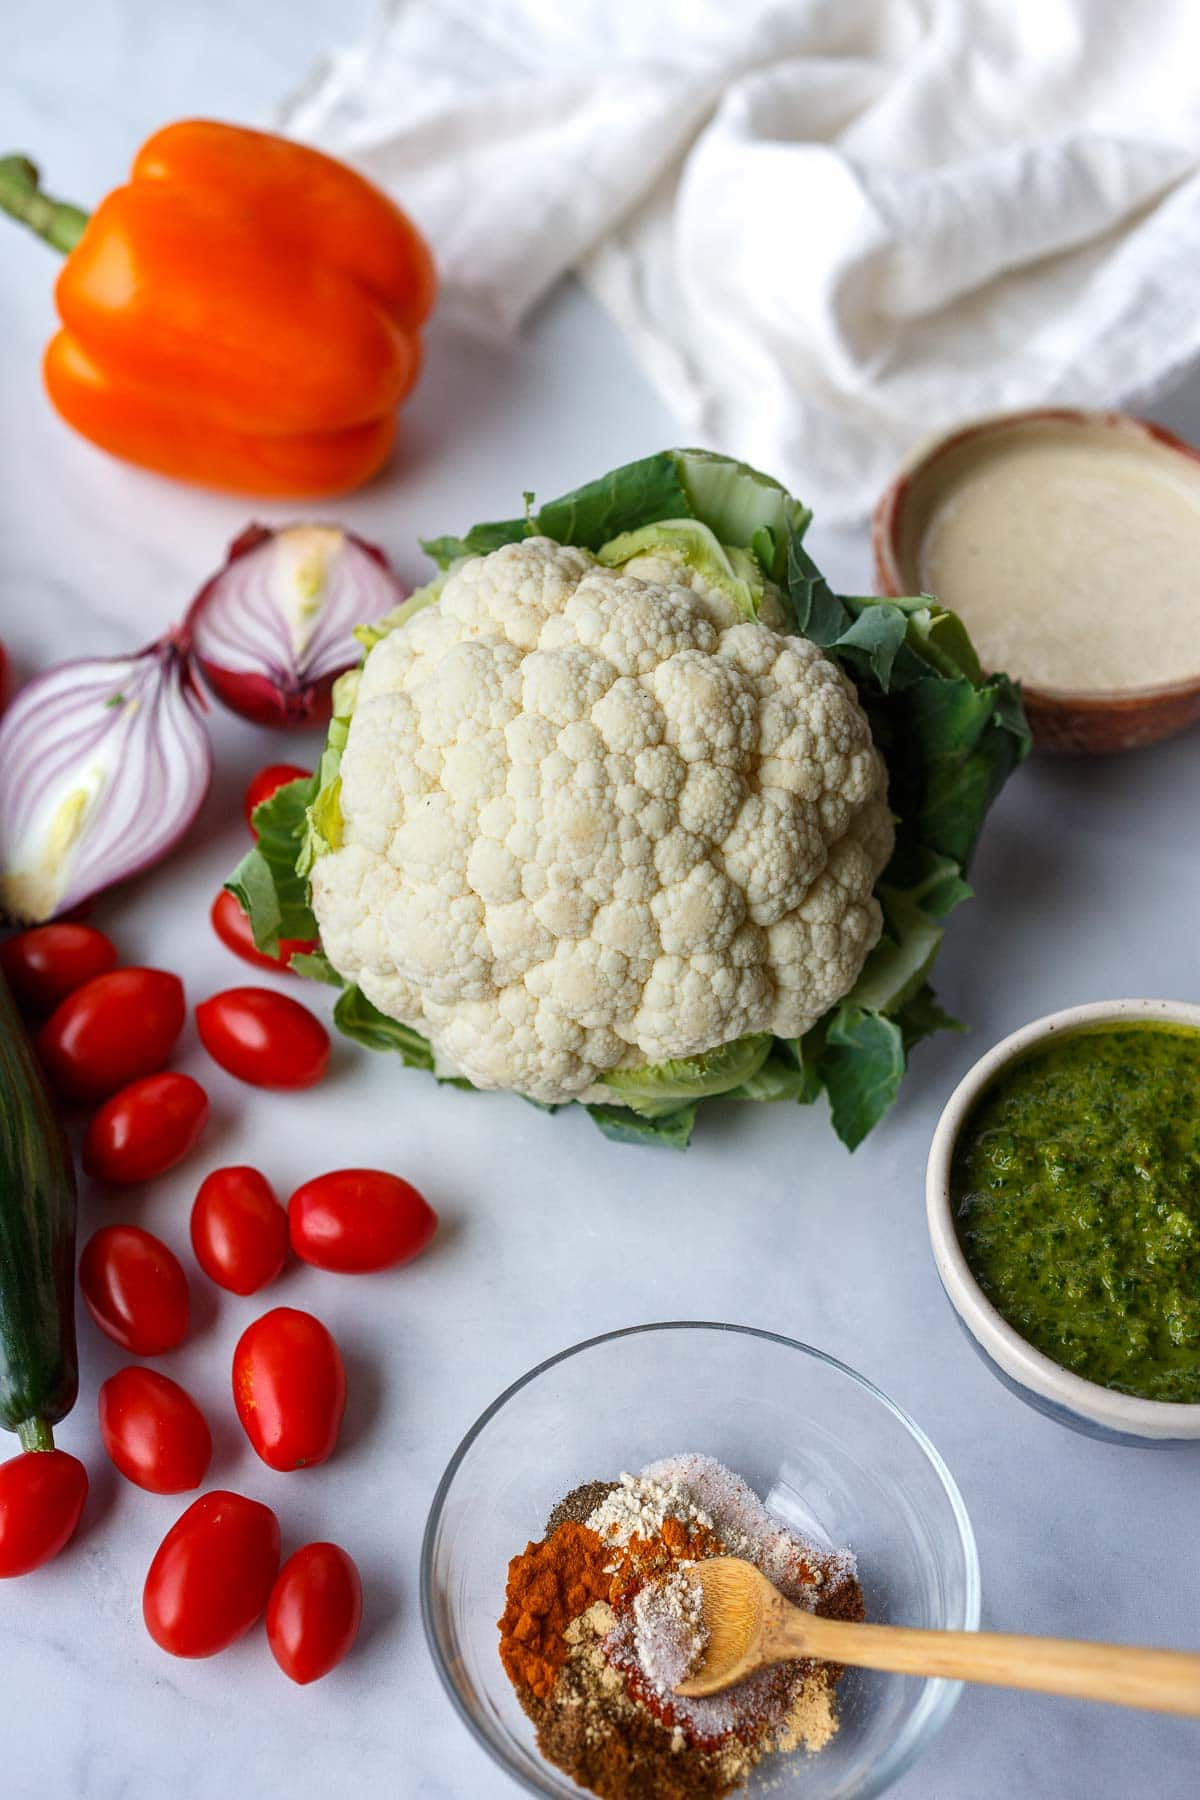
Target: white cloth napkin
828,227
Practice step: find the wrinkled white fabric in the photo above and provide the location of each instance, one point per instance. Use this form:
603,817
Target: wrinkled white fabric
828,227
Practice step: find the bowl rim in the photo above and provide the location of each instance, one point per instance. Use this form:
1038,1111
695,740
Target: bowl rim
887,523
1016,1357
941,1694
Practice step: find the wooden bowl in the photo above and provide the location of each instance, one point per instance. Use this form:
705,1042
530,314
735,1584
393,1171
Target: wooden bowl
1093,718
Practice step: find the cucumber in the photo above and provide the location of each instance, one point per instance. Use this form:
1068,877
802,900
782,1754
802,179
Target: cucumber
39,1370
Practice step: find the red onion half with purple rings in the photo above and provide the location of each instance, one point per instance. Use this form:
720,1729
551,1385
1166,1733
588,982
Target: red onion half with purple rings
104,764
274,630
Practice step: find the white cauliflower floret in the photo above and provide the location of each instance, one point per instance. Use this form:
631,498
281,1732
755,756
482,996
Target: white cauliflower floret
592,820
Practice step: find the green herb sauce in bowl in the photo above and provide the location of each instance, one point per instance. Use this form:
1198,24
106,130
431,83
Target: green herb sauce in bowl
1028,1347
1075,1190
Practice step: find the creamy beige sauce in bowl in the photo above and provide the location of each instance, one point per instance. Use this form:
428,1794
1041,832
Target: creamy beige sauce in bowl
1069,547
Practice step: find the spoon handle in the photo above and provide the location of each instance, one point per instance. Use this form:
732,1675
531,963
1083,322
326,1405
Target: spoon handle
1124,1675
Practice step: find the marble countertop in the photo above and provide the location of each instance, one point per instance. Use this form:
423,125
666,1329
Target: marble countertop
1087,887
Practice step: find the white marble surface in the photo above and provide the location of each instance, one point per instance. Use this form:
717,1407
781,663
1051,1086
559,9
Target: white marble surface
1087,887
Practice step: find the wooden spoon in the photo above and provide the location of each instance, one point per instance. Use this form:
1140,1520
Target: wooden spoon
751,1626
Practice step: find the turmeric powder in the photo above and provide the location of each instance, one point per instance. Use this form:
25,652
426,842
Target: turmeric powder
549,1584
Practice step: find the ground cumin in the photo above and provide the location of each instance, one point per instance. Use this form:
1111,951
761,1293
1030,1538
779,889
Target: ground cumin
578,1505
594,1732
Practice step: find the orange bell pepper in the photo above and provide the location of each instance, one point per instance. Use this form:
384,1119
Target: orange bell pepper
245,313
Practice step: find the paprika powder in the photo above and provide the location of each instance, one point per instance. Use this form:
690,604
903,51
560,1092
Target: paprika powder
550,1584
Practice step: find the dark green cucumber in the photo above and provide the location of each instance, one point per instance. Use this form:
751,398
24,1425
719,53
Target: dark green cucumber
39,1373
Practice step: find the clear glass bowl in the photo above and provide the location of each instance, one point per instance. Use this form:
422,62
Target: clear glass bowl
832,1456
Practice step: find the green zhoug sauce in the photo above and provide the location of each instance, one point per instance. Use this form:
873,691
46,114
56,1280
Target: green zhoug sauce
1076,1189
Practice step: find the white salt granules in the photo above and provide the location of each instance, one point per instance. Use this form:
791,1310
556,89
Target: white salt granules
669,1637
734,1511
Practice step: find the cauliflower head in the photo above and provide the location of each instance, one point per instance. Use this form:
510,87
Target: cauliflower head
593,819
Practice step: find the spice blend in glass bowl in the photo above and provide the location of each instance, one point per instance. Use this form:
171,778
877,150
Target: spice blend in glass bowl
601,1623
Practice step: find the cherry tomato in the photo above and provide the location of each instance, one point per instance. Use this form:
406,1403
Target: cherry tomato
314,1612
41,1497
263,785
263,1037
49,962
145,1129
289,1387
154,1431
212,1575
112,1030
239,1230
355,1220
233,928
135,1289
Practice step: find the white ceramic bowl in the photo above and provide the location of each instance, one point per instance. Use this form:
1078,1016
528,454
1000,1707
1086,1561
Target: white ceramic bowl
1083,1405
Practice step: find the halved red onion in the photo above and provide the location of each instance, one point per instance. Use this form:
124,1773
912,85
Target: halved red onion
103,766
274,630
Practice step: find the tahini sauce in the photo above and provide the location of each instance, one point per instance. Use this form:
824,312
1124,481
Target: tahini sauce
1073,561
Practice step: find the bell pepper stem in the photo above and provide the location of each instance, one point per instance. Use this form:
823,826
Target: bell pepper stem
35,1434
59,223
